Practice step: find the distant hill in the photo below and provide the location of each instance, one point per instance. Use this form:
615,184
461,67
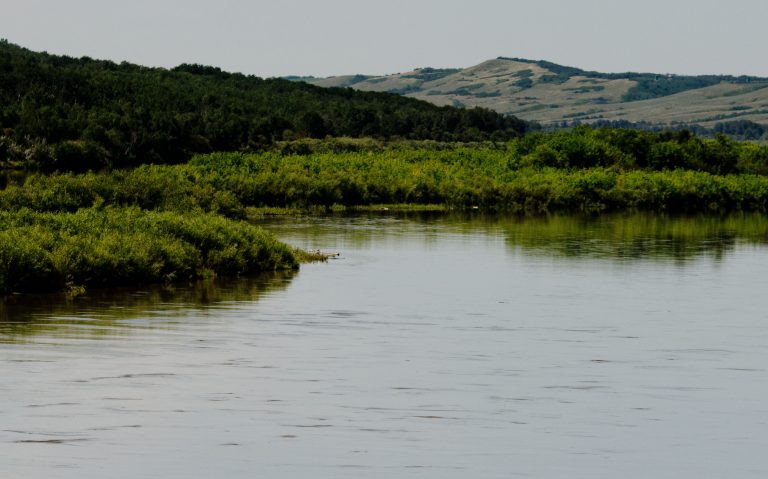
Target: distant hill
80,113
551,94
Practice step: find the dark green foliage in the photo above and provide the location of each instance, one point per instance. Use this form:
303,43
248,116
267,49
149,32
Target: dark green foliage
310,173
115,246
524,83
178,188
586,89
490,179
61,113
742,129
656,86
492,94
96,229
558,79
431,74
584,147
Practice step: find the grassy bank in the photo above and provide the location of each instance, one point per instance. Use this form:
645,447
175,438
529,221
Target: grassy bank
162,223
465,179
234,184
44,251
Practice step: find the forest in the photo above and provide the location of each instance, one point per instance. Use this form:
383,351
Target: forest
63,113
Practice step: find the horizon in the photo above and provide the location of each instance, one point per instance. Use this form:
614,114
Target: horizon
341,37
288,76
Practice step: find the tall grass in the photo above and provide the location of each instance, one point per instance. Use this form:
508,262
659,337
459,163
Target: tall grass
227,183
45,251
490,179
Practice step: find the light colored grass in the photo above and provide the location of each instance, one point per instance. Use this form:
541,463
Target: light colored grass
704,106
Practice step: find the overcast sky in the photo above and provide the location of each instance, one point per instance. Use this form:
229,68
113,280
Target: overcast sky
329,37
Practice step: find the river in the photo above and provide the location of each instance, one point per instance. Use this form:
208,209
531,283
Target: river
434,346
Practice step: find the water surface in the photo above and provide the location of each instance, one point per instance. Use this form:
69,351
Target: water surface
434,347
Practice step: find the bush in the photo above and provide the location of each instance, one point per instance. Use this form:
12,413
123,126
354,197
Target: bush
121,246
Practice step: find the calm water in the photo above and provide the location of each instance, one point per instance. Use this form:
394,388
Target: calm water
440,347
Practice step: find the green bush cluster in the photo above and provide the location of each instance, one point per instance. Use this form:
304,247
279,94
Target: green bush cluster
526,176
491,179
585,147
159,223
45,251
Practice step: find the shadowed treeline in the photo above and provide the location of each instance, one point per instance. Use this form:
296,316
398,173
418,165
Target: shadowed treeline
75,114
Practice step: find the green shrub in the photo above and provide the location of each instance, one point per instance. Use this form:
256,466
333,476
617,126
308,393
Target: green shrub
120,246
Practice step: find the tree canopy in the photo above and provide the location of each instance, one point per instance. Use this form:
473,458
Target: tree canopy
58,112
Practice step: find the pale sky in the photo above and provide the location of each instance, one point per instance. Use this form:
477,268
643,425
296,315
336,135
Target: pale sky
334,37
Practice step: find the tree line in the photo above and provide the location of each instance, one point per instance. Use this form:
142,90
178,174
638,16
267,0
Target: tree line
58,112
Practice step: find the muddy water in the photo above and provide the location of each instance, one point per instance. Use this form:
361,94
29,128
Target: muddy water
432,347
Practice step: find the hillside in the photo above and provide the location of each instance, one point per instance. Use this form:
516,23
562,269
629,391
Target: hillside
550,93
58,112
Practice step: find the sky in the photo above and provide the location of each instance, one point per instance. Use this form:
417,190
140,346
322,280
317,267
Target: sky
336,37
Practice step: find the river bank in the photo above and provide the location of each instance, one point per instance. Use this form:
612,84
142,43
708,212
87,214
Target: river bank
164,223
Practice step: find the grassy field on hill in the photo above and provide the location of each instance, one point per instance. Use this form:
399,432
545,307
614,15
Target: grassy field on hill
552,94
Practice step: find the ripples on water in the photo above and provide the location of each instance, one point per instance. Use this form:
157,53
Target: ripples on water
434,347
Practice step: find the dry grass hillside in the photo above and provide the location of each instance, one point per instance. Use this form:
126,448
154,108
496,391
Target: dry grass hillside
549,93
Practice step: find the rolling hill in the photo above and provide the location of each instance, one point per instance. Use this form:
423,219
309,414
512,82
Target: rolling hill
551,94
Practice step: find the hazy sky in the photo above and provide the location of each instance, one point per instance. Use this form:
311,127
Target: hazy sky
326,37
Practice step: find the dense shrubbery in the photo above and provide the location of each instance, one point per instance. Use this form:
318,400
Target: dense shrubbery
466,179
166,188
62,113
514,179
117,246
742,129
94,228
585,147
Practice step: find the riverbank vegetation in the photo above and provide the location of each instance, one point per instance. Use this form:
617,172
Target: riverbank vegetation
48,251
121,182
583,170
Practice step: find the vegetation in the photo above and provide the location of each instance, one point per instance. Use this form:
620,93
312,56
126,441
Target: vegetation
62,113
742,129
162,223
121,246
582,170
144,198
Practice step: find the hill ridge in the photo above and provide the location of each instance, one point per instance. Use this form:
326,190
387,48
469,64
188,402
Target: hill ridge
549,93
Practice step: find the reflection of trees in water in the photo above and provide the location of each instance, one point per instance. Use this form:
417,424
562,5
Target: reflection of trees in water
638,236
116,311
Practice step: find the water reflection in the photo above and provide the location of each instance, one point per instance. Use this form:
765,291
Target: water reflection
636,237
626,237
113,312
434,347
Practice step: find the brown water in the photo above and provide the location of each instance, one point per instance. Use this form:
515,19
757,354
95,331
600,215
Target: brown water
437,347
